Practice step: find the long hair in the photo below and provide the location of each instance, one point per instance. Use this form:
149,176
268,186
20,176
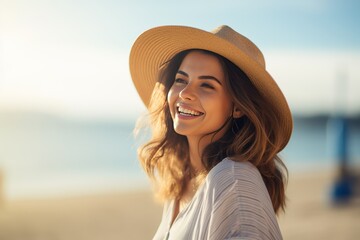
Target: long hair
252,137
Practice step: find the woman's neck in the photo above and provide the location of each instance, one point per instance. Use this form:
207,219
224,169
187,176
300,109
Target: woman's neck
196,147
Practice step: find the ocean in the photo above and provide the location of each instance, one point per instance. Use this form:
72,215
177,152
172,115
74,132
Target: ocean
47,155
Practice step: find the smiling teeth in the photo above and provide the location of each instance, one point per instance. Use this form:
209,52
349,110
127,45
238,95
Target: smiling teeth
188,111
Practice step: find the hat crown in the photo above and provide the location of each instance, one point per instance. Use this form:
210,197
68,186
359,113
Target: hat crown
241,42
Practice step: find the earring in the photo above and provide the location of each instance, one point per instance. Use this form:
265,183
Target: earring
236,113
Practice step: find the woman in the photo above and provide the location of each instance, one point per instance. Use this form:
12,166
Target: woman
218,122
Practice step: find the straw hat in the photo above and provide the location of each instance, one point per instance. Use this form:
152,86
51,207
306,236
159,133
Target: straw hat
158,45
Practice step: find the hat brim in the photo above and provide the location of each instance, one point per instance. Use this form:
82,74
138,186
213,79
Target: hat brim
158,45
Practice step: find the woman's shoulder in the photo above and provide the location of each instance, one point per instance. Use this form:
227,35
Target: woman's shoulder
240,201
230,176
229,169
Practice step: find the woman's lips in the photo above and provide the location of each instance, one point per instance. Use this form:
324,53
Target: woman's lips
185,112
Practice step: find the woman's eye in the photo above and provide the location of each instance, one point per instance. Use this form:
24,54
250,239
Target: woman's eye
179,80
206,85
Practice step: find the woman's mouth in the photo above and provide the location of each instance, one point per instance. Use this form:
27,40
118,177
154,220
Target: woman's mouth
182,111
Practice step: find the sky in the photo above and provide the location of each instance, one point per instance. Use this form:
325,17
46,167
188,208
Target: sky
70,57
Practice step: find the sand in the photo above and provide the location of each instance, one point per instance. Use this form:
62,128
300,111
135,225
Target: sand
134,215
311,215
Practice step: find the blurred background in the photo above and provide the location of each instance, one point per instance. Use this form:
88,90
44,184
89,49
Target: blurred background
68,166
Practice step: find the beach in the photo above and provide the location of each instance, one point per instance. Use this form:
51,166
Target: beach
310,213
135,214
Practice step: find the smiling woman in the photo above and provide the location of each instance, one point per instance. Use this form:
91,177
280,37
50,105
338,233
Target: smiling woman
219,121
199,96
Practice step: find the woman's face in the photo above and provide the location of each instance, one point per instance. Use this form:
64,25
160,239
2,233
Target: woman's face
198,99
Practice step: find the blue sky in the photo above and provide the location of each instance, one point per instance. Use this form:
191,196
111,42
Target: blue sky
70,57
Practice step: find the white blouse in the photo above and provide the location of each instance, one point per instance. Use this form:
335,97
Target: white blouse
232,203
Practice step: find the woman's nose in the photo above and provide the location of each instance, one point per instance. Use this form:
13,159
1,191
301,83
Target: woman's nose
187,93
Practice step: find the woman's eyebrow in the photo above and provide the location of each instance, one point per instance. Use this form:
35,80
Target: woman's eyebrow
201,77
210,78
183,73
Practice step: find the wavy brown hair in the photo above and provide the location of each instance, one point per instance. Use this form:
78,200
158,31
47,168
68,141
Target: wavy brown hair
253,137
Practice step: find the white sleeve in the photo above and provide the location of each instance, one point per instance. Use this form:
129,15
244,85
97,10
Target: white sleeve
243,209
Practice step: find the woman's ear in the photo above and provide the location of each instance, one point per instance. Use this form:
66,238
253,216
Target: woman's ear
237,113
